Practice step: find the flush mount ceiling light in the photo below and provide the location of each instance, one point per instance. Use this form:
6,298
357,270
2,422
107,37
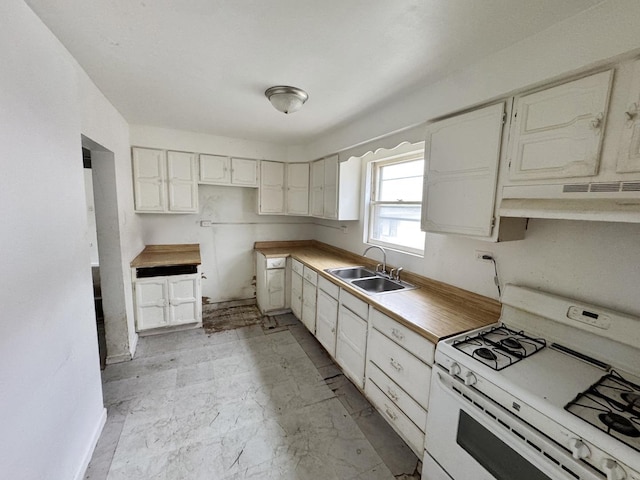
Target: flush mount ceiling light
286,99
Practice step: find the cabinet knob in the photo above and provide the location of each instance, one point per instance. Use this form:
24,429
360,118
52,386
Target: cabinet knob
632,112
397,334
395,365
392,415
392,395
596,123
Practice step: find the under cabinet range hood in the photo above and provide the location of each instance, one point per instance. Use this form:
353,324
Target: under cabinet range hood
597,201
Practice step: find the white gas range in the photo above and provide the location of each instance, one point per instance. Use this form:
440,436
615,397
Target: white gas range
552,392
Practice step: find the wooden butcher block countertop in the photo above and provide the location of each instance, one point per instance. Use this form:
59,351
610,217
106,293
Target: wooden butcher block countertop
168,255
435,310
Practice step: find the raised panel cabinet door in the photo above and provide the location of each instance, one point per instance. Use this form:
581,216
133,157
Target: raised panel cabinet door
629,159
296,294
298,189
317,188
184,299
351,345
557,132
244,172
151,303
271,187
275,288
309,305
215,169
149,180
462,155
326,321
331,187
182,179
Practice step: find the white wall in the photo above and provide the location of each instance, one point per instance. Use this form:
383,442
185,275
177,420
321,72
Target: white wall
50,390
228,260
596,262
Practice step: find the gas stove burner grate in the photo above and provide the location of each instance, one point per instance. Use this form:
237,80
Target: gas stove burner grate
619,424
499,347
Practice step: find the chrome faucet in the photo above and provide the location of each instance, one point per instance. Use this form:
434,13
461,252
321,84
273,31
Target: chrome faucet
384,257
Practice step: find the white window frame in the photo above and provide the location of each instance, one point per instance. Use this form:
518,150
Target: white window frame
374,173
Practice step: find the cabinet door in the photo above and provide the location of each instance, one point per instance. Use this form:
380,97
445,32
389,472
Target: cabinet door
271,187
629,160
317,188
326,320
182,182
557,133
215,169
461,166
184,299
309,305
275,289
351,345
149,180
244,172
151,303
298,189
331,187
296,294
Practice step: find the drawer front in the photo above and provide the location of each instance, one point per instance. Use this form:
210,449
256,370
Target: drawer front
310,275
330,288
411,374
276,262
296,266
354,304
398,420
419,346
403,401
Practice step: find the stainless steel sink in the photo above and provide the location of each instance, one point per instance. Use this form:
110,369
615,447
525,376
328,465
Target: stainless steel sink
377,285
351,273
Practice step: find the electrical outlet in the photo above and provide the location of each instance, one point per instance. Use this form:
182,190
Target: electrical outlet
480,254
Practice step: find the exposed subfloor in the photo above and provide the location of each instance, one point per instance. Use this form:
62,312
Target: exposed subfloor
263,402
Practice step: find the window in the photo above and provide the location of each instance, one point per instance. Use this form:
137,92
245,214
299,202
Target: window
396,201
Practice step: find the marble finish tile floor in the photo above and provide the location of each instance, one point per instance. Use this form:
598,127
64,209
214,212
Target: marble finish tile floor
259,402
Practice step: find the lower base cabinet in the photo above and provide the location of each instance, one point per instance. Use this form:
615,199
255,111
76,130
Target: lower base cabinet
326,321
351,345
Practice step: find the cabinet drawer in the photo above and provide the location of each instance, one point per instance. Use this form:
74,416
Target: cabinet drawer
414,343
328,287
310,275
276,262
398,420
296,266
403,401
354,304
411,374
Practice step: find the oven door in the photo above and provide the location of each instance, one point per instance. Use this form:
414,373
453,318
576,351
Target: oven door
470,436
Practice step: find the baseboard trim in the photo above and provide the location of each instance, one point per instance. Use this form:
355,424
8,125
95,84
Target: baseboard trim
134,345
92,446
123,357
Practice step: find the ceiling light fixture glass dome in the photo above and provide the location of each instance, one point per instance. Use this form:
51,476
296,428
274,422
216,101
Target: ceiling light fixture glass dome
286,99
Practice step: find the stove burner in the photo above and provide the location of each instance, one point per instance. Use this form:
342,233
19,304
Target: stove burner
485,353
511,343
633,399
619,424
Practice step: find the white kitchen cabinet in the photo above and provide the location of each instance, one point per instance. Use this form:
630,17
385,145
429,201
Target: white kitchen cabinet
271,283
309,291
223,170
351,343
462,155
164,182
629,158
271,193
326,321
296,294
167,301
297,189
335,188
557,132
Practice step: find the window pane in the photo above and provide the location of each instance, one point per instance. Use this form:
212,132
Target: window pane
401,181
398,224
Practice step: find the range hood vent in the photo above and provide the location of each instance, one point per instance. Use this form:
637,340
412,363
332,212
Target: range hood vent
597,201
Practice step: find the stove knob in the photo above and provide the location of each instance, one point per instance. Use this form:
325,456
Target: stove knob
454,369
578,449
470,379
613,470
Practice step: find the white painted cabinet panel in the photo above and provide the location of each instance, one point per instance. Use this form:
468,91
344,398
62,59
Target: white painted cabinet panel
215,169
244,172
462,155
309,305
151,303
335,188
330,198
557,132
317,188
351,345
149,180
297,189
275,289
270,283
629,159
271,187
182,182
296,294
326,320
183,299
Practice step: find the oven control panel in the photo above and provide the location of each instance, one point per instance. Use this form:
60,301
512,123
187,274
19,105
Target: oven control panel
593,318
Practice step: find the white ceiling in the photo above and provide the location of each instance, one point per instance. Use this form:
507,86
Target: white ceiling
203,65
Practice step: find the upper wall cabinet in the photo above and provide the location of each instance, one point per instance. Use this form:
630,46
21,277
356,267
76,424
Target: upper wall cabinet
164,182
221,170
557,132
335,188
271,192
462,155
297,195
629,159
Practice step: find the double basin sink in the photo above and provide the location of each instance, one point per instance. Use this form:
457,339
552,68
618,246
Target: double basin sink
369,281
